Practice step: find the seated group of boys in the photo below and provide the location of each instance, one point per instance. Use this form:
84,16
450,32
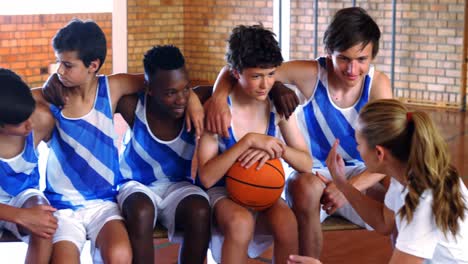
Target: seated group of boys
93,193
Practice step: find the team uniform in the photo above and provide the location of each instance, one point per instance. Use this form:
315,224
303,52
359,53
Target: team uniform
160,169
19,181
83,171
421,237
262,239
322,122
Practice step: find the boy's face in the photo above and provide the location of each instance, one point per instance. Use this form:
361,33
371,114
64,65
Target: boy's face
22,129
350,66
256,82
71,70
170,90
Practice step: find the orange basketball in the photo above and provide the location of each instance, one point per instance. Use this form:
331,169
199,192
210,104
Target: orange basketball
256,189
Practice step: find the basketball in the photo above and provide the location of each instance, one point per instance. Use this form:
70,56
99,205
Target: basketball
256,189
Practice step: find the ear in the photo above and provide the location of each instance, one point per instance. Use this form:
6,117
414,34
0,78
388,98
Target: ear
94,65
236,74
381,153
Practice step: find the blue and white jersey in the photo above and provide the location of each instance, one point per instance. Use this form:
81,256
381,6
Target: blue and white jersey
148,159
226,143
322,121
20,172
83,165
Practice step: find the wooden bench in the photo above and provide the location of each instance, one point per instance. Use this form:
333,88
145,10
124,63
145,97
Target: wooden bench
330,224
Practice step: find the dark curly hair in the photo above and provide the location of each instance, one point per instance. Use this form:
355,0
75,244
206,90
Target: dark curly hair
349,27
85,37
16,101
252,46
167,57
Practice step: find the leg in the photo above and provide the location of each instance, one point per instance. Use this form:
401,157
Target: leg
138,210
65,252
282,223
237,225
114,244
39,249
193,219
303,193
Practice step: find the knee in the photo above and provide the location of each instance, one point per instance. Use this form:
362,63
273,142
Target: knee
120,254
304,191
198,213
138,208
240,227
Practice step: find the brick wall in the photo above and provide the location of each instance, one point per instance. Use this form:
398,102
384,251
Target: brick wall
25,43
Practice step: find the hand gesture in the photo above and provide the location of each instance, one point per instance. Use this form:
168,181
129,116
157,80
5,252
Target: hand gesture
285,99
39,220
295,259
335,165
251,156
54,91
218,116
195,115
332,199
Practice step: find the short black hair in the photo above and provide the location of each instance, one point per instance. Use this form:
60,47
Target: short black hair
349,27
16,100
85,37
252,46
164,57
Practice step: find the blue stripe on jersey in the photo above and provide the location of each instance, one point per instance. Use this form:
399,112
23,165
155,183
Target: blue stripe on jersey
20,173
147,159
83,163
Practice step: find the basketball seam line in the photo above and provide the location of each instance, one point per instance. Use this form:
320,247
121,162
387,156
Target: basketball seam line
282,173
255,185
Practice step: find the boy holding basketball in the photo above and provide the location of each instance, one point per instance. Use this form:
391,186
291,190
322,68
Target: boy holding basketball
24,210
157,159
253,55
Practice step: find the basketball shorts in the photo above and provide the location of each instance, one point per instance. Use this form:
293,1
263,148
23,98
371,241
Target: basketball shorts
166,197
18,201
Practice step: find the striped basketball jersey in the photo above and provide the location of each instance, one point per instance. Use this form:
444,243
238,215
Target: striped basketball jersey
148,159
83,164
20,172
322,121
226,143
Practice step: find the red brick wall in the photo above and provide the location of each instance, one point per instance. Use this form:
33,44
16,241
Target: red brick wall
25,43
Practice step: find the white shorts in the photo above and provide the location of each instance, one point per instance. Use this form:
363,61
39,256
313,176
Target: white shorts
85,223
261,241
166,197
18,201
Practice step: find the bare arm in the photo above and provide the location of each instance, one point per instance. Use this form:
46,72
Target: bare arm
400,257
296,151
381,87
122,84
126,107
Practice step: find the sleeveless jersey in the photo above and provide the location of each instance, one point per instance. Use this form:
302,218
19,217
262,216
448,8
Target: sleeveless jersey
20,172
83,166
148,159
322,121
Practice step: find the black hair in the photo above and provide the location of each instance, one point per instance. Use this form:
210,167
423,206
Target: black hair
16,100
252,46
349,27
85,37
167,57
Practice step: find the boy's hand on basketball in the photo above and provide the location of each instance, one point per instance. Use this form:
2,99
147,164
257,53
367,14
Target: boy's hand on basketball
195,115
218,116
295,259
272,145
39,220
54,91
251,156
285,99
335,165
